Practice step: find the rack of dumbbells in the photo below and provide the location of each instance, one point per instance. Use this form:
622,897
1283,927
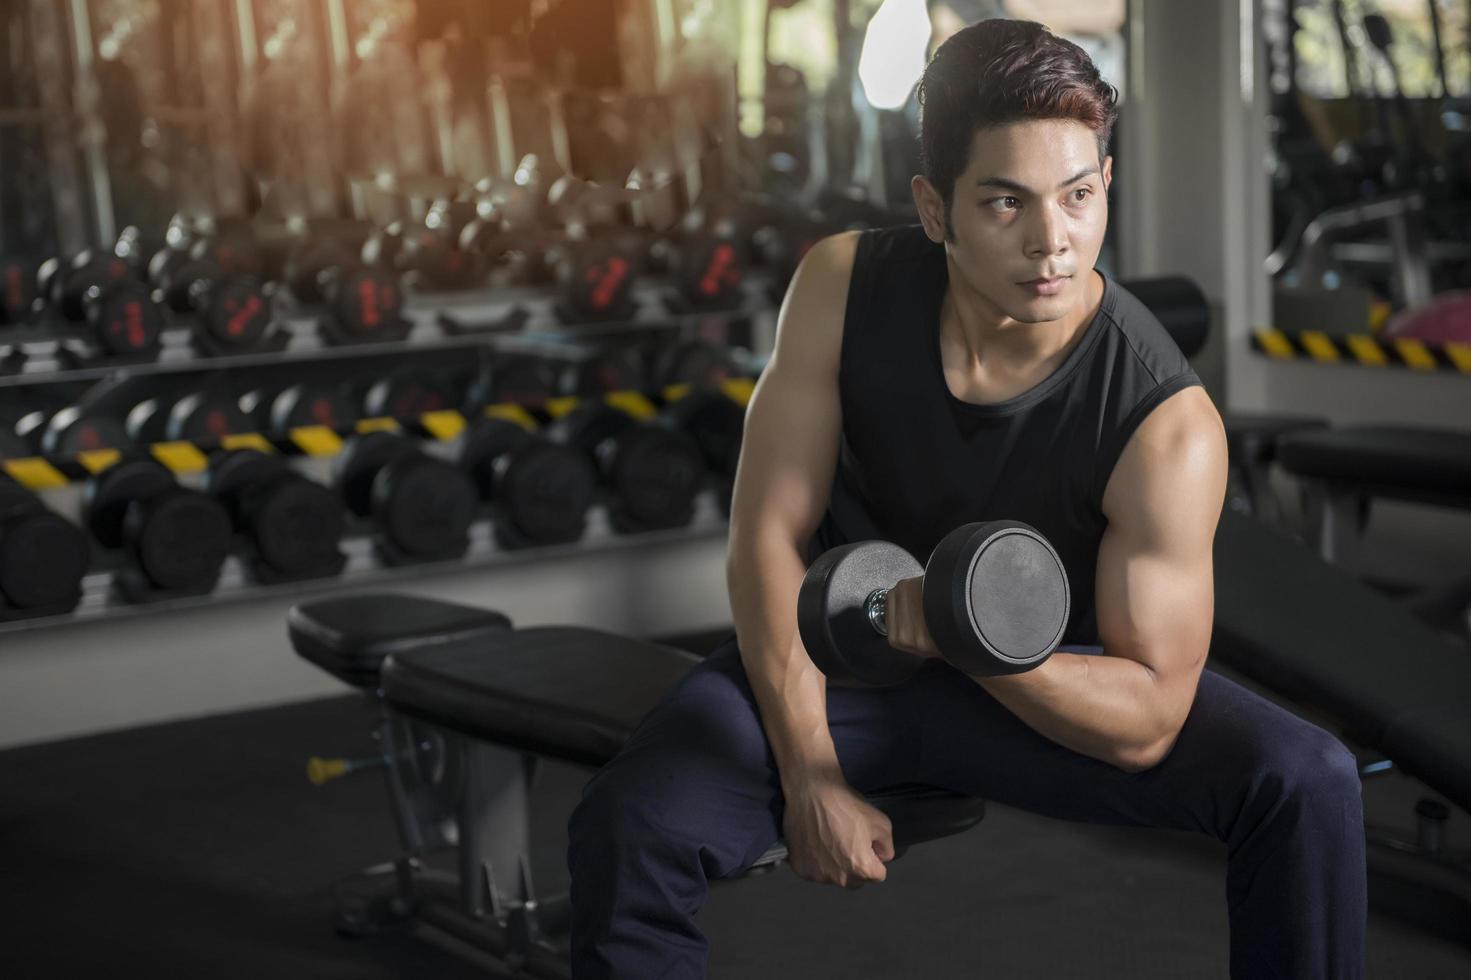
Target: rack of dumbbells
237,356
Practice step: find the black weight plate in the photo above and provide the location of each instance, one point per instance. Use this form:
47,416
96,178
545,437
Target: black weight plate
16,500
407,393
708,270
43,557
125,319
232,473
615,369
832,616
597,281
307,262
73,430
180,538
996,597
366,303
108,494
205,418
588,426
655,474
71,282
177,276
358,465
716,423
425,506
485,442
546,490
312,403
297,524
233,250
695,362
17,287
527,381
147,421
238,313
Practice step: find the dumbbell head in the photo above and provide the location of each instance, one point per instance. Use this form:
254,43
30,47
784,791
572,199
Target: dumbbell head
74,430
833,613
360,462
295,523
43,556
232,246
17,287
528,381
234,311
708,268
206,418
65,283
544,490
178,537
596,278
423,505
694,362
311,403
654,473
408,392
716,422
123,318
307,262
996,597
602,371
365,303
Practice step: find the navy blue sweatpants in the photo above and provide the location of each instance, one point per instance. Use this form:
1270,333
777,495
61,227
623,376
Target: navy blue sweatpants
695,796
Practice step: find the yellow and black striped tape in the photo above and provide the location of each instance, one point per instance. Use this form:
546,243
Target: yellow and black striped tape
37,473
1361,349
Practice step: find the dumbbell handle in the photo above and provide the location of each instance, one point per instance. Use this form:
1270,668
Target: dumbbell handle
876,606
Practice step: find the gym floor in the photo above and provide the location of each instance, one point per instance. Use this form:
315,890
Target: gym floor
199,849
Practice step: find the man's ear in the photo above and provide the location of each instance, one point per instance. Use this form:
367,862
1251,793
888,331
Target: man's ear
931,208
1107,172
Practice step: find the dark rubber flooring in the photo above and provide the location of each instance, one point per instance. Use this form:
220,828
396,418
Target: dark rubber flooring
199,850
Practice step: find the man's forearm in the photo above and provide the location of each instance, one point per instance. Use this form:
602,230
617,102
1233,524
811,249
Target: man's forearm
764,577
1104,707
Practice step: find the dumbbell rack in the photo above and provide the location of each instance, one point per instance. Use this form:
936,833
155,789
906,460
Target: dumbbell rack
502,321
519,320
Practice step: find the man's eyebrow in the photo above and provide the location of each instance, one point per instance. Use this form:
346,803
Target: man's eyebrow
1007,184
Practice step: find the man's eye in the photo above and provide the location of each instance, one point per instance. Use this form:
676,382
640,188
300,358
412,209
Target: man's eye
1081,194
1004,204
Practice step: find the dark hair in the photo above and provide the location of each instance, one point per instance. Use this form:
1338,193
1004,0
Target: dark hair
997,72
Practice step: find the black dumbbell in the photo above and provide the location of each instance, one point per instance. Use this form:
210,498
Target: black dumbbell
363,305
72,430
308,403
17,288
101,290
539,491
600,371
595,279
202,417
995,596
706,260
653,473
177,538
230,244
230,313
408,392
693,362
43,556
422,506
428,254
716,422
291,525
511,379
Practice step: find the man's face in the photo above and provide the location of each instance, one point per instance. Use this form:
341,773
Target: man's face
1028,216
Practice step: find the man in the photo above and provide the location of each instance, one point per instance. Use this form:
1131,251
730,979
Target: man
973,368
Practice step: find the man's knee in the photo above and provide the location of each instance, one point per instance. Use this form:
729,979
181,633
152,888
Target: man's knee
1313,770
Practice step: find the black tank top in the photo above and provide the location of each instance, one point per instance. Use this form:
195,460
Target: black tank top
916,462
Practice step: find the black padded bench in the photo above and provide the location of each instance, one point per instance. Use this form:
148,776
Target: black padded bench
1317,636
494,700
1343,468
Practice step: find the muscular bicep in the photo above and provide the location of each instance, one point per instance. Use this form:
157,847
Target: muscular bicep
1155,589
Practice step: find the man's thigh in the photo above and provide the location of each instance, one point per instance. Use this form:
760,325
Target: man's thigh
970,743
